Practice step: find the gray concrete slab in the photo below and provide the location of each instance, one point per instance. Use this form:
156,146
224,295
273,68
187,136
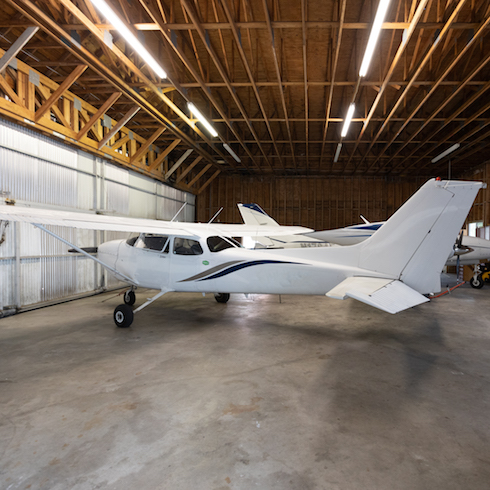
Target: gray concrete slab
309,393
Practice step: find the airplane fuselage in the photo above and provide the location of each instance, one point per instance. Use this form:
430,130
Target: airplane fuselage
232,270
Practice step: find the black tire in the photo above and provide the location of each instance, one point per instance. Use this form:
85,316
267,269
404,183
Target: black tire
123,316
129,297
222,297
477,282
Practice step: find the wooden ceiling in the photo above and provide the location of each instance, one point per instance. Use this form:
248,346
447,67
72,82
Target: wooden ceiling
275,78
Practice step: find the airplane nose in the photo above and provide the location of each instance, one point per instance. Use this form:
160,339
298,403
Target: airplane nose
108,252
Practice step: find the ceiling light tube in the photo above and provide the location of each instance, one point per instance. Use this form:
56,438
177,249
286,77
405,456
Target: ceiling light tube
128,36
337,153
231,152
445,153
373,37
348,119
202,119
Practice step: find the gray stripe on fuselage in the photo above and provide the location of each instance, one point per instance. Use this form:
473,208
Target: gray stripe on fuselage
211,271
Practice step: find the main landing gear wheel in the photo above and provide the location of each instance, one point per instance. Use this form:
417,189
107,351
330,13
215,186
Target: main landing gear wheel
129,297
477,282
222,297
123,316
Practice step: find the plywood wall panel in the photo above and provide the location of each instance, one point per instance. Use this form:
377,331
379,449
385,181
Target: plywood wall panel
313,202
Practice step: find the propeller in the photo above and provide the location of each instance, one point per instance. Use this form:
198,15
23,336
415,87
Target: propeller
460,249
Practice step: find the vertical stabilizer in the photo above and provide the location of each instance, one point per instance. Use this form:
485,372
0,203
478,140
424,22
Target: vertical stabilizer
253,214
414,244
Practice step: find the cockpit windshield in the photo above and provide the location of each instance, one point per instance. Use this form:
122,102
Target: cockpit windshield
217,243
150,241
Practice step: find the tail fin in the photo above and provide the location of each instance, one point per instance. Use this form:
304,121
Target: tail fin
414,244
253,214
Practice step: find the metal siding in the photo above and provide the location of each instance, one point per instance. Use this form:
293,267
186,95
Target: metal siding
35,169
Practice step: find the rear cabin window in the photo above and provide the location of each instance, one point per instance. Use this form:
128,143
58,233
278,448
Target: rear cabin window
186,246
153,242
217,243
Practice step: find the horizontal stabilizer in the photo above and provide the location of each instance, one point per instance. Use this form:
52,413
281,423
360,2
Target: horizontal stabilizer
385,294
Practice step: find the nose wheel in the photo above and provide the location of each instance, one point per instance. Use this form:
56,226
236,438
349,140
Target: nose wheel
129,297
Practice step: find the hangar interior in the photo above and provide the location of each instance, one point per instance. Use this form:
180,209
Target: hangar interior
255,101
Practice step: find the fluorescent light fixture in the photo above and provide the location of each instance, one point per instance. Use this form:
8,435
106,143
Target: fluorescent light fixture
232,153
128,36
445,153
201,118
337,153
373,37
348,119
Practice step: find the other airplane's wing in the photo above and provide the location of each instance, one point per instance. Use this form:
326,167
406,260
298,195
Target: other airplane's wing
92,221
388,295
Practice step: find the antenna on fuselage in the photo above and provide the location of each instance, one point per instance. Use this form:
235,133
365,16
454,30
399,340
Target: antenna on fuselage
216,215
365,220
178,212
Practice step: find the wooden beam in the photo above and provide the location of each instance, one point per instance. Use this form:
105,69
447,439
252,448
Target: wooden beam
105,107
208,181
9,91
162,156
127,117
199,175
188,169
120,142
13,51
144,147
177,164
74,75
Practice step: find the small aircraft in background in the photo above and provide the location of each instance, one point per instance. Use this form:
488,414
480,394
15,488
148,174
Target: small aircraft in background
466,251
392,270
253,214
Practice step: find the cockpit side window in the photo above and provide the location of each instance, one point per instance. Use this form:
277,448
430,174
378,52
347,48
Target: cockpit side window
150,241
186,246
217,243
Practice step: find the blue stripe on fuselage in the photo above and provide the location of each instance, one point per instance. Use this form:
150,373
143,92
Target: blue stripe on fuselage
243,265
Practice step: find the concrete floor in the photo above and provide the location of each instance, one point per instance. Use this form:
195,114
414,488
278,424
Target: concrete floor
310,393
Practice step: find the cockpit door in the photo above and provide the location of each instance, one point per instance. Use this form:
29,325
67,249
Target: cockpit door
189,260
150,260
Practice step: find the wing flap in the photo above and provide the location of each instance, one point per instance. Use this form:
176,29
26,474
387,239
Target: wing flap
388,295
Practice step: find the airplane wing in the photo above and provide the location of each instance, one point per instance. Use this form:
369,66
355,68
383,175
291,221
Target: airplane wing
92,221
388,295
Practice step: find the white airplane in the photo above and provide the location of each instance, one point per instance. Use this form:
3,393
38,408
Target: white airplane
253,214
392,270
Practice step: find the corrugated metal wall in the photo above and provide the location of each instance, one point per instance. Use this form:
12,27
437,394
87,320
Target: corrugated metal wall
36,268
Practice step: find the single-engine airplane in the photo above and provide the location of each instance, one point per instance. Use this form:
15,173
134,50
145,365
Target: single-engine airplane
392,270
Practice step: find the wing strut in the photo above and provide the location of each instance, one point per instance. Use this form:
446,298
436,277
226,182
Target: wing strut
80,250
